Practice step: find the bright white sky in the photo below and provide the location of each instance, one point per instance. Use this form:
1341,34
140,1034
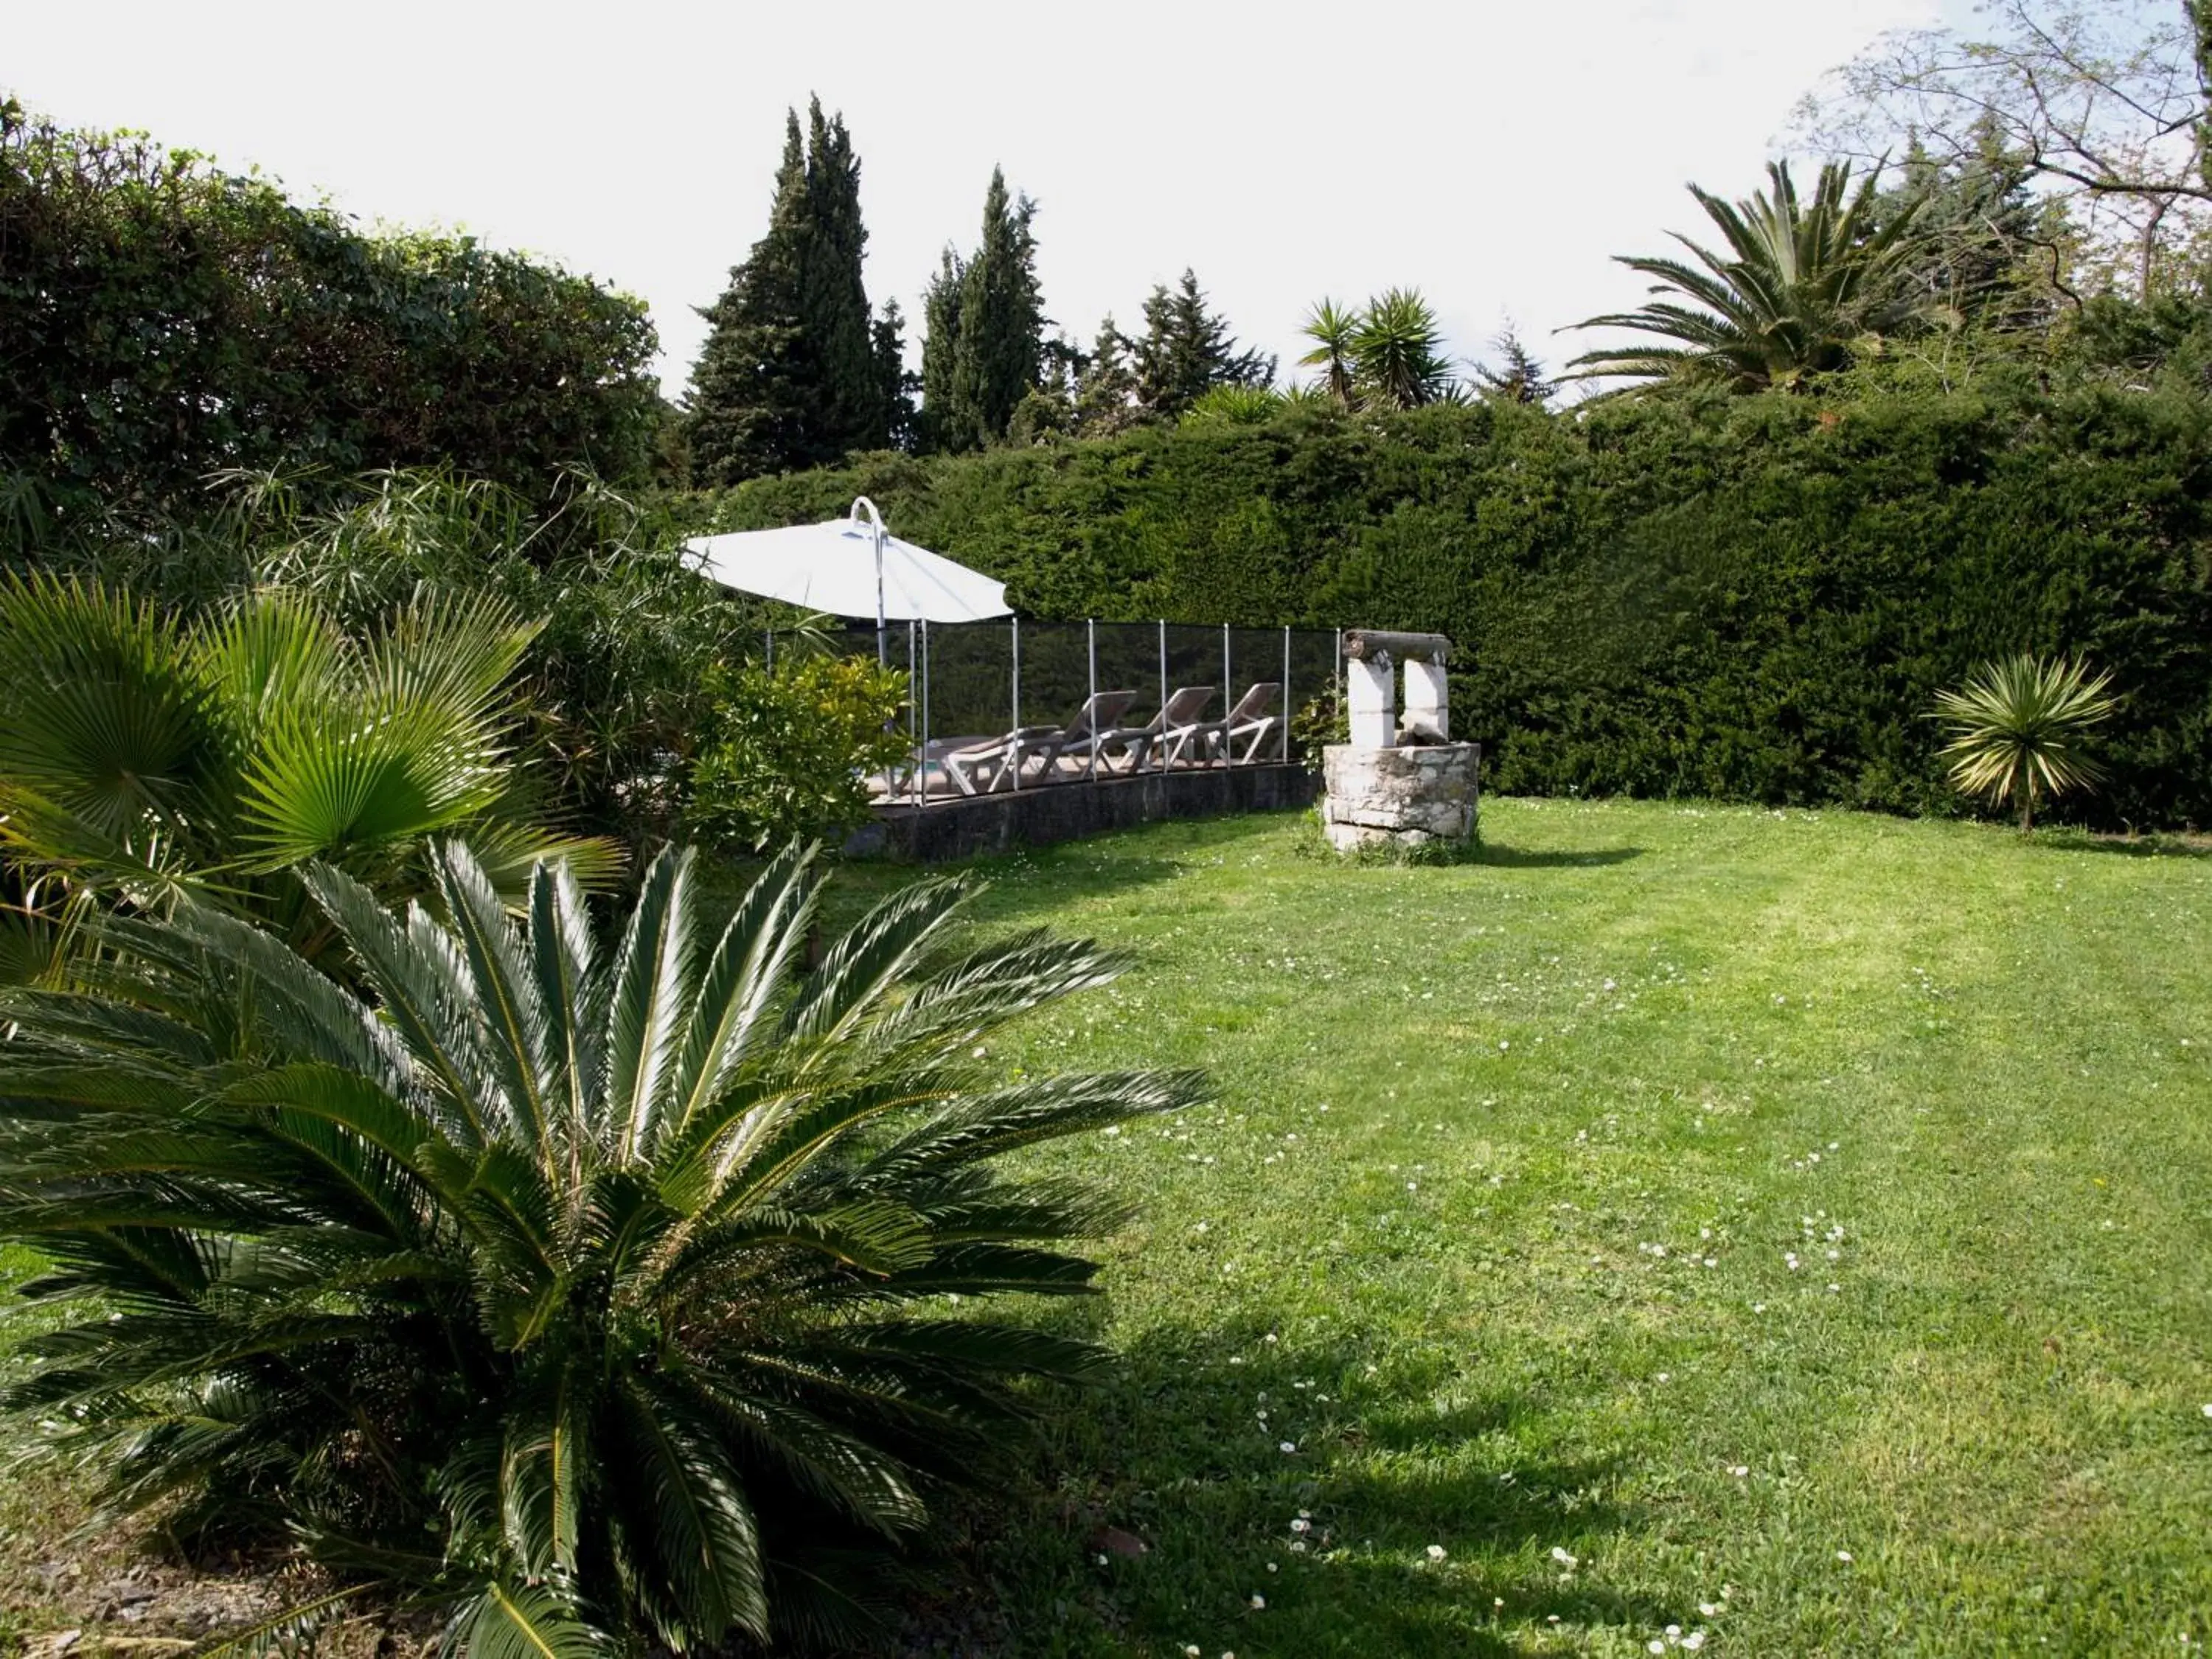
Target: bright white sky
1492,153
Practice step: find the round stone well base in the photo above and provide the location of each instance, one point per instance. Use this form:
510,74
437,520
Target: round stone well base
1407,796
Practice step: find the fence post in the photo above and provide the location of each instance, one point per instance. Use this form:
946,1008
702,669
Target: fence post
1228,693
913,707
921,755
1161,748
1014,754
1287,704
1090,717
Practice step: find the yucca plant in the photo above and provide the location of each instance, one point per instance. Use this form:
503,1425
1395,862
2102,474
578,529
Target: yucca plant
2016,730
1397,353
598,1295
1332,330
142,754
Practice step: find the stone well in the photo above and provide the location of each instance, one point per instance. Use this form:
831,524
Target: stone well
1404,785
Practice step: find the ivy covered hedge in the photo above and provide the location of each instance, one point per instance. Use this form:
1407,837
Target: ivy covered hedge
1754,599
161,320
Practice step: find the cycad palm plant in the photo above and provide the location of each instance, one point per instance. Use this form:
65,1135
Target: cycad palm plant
593,1295
2017,727
142,754
1798,285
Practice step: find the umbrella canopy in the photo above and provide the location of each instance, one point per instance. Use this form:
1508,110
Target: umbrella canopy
851,567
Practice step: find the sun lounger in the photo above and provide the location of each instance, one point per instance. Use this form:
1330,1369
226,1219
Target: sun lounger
1082,737
1248,726
1169,732
1001,762
997,763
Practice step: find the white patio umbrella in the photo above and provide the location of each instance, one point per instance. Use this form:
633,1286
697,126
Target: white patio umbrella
850,566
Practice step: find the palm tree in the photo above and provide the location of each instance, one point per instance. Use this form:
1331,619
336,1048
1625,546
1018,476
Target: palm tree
2016,730
596,1297
1796,288
141,756
1332,329
1397,353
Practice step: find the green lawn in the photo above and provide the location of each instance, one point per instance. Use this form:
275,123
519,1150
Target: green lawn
1801,1215
1493,1228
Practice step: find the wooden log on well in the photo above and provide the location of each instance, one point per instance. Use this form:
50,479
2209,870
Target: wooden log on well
1365,644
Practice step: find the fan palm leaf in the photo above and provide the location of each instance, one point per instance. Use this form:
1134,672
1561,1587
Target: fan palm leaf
595,1262
140,756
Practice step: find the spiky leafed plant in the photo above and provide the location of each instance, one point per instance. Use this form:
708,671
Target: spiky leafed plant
597,1295
1332,330
2017,727
1397,353
1234,405
141,756
1797,287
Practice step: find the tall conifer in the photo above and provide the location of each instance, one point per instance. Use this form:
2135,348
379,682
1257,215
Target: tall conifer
984,348
1188,350
751,392
833,300
789,376
895,386
937,427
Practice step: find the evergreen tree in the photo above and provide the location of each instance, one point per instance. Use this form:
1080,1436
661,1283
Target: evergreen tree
894,385
999,354
1986,251
1519,377
1188,350
833,300
750,400
788,376
936,429
1106,395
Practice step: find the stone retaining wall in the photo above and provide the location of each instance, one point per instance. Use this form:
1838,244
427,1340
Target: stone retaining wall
1065,811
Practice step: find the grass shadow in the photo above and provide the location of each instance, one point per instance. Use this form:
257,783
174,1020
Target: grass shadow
1511,857
1172,1451
2130,847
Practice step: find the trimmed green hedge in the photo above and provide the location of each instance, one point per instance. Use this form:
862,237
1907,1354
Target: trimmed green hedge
161,320
1750,598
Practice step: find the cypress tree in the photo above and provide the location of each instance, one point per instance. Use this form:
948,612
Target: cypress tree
751,394
937,427
895,386
788,377
834,303
995,356
1188,350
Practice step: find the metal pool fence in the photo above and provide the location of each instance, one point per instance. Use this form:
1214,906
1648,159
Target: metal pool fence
979,686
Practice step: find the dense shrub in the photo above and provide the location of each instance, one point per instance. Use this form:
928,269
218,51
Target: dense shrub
1752,598
161,320
786,752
